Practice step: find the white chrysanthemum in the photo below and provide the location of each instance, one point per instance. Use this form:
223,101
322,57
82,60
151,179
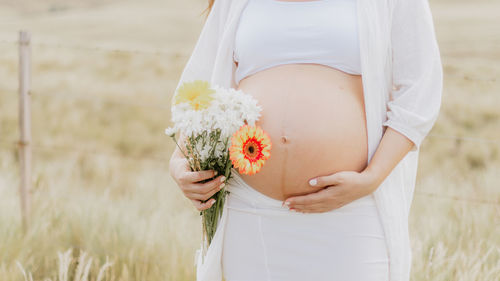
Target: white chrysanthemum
227,112
220,149
203,151
171,131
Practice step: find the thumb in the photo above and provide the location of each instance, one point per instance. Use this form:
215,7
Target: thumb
332,179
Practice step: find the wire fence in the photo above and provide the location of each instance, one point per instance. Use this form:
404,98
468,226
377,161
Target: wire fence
12,144
101,49
99,99
462,138
458,198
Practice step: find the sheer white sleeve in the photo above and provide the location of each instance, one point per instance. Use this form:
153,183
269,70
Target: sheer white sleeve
415,99
201,61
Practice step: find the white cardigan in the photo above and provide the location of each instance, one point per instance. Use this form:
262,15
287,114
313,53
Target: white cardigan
402,79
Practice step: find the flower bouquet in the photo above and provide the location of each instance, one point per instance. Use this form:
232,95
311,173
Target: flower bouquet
219,129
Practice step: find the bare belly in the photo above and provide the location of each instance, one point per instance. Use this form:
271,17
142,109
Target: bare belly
315,117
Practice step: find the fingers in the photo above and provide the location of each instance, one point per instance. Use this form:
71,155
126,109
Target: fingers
190,183
185,175
209,185
308,199
195,176
321,201
332,179
316,208
203,191
203,196
200,206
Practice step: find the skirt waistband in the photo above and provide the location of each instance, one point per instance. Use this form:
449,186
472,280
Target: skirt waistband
238,188
242,190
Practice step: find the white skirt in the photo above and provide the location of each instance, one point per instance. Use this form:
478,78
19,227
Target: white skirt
258,239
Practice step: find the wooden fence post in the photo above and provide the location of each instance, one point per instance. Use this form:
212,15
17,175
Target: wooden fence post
25,125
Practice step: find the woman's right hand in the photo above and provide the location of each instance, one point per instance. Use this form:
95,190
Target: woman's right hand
188,182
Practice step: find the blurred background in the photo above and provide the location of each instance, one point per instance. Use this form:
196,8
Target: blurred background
103,73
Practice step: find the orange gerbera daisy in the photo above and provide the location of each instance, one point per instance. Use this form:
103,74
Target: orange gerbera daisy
250,147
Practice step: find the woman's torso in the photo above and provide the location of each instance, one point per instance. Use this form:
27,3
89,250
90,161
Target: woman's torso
313,113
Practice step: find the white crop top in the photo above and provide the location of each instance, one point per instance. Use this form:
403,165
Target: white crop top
275,32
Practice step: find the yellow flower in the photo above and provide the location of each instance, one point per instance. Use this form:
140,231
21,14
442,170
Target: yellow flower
197,93
250,147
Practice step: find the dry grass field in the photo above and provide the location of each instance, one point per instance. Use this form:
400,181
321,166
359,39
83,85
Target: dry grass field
102,193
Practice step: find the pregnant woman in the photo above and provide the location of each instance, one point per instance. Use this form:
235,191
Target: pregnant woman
349,89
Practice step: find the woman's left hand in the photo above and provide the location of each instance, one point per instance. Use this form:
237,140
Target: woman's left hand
339,189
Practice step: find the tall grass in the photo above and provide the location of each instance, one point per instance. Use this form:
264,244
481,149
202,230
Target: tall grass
104,205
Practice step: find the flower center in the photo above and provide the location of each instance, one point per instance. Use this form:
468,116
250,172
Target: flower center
251,149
